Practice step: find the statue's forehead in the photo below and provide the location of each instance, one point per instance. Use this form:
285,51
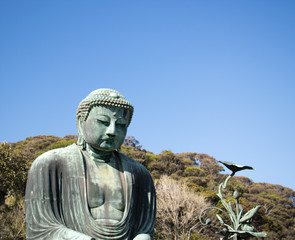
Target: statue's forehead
108,110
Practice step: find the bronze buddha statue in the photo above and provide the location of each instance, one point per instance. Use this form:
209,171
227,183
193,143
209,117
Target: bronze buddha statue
89,190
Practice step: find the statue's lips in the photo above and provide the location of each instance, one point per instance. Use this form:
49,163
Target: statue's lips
109,140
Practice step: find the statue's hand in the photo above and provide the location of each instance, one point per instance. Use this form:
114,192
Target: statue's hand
142,237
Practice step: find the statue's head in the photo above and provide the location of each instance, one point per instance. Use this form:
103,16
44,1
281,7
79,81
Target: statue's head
102,119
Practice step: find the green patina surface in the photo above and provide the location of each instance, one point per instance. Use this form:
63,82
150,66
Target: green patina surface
90,190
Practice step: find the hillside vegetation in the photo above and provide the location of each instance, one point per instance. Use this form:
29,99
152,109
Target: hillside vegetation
185,183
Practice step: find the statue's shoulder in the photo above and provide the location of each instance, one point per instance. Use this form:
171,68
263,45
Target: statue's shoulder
129,160
131,163
63,155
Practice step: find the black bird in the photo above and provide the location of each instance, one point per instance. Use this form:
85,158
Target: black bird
235,167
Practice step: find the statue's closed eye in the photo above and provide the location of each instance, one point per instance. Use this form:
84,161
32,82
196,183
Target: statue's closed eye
103,119
103,122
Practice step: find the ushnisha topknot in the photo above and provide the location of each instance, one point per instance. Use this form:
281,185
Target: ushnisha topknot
103,97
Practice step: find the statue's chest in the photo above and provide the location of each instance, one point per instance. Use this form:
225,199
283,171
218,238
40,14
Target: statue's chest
104,187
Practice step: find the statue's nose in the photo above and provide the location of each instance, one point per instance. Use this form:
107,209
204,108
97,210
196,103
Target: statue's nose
111,131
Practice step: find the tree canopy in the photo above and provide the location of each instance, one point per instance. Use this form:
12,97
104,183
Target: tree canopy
189,180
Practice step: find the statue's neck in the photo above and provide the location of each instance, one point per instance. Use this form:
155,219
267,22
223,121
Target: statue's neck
99,156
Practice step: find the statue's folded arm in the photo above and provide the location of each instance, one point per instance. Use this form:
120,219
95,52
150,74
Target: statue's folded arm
44,212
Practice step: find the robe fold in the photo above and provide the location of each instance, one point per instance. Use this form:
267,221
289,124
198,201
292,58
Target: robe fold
56,199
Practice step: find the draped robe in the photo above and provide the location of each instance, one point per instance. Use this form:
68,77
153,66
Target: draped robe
56,199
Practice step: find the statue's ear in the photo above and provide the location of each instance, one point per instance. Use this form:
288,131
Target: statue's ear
80,132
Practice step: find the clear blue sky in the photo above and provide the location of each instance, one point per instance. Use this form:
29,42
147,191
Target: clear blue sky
213,77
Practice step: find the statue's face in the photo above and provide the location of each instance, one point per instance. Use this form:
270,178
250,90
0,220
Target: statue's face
105,127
